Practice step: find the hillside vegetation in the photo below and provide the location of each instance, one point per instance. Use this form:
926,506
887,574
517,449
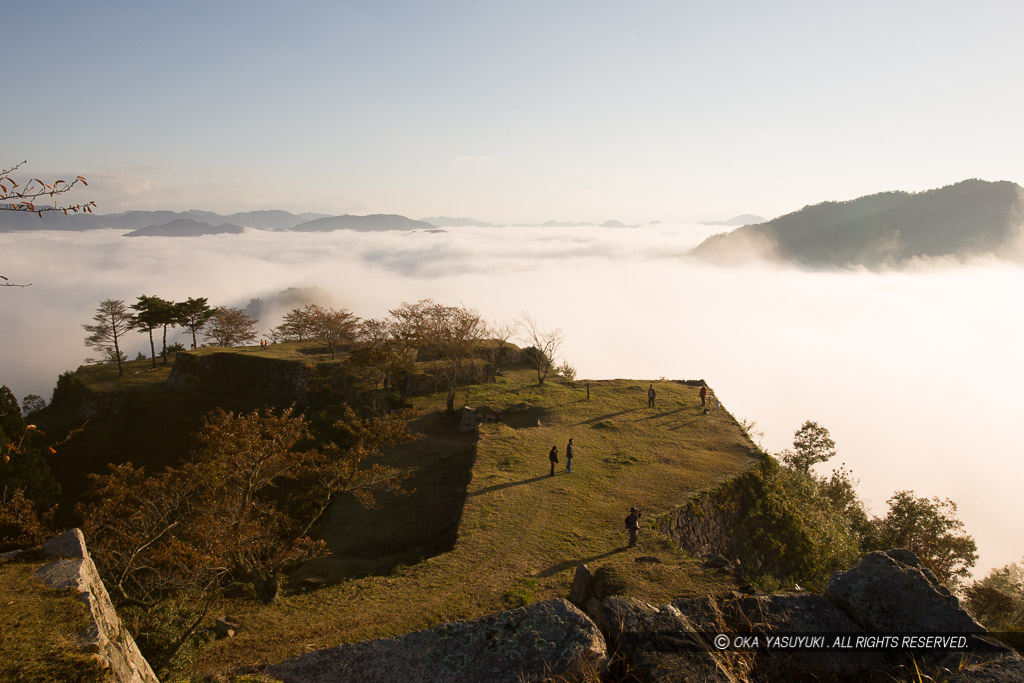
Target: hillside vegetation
970,218
510,533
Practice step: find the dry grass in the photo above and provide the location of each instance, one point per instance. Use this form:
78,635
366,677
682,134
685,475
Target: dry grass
39,629
516,522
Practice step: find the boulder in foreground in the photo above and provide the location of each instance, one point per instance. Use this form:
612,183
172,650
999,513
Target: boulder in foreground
550,639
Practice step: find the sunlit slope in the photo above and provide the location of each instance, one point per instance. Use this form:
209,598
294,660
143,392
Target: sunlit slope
521,532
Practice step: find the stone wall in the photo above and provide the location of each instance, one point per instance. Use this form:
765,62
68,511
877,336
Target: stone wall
701,526
235,373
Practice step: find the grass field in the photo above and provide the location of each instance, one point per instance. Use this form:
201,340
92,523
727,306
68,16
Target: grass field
487,528
39,628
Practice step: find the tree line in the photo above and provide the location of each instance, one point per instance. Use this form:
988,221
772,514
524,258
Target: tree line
452,342
223,325
826,526
807,525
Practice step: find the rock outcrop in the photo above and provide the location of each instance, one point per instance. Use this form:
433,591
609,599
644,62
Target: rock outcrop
543,641
887,593
628,639
893,591
106,637
660,643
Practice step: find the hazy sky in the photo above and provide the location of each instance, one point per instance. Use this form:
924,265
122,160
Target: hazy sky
511,111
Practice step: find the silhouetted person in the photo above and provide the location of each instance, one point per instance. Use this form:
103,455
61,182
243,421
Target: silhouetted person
553,457
650,396
569,452
704,395
633,525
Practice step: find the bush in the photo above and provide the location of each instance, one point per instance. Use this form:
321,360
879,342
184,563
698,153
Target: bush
786,523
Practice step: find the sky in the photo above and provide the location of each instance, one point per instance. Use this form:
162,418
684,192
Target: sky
511,112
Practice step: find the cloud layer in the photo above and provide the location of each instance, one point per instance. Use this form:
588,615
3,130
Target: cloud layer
915,373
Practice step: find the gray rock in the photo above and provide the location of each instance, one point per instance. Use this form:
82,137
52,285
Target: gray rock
470,421
891,591
312,583
1006,669
801,613
545,640
659,644
715,561
582,586
105,635
224,628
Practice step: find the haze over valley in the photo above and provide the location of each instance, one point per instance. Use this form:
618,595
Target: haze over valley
914,371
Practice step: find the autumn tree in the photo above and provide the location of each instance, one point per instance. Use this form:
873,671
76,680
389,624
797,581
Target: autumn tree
444,336
111,322
15,197
28,490
193,314
542,345
929,527
332,326
812,444
230,327
997,600
297,325
240,511
380,354
495,347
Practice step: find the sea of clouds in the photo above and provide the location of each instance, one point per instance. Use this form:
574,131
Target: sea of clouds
916,373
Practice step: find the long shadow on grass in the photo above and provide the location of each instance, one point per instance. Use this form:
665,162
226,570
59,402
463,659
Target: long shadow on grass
569,564
689,422
509,484
607,416
665,414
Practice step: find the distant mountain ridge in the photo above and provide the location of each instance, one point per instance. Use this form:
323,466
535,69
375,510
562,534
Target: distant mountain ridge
449,222
969,218
16,221
742,219
373,222
184,227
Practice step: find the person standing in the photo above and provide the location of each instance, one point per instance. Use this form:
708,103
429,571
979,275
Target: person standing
553,457
633,526
570,451
704,395
650,396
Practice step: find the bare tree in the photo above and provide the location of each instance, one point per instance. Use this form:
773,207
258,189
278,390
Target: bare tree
495,347
332,326
230,327
444,336
542,345
112,321
380,352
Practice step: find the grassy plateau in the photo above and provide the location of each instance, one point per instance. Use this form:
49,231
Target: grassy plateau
486,528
